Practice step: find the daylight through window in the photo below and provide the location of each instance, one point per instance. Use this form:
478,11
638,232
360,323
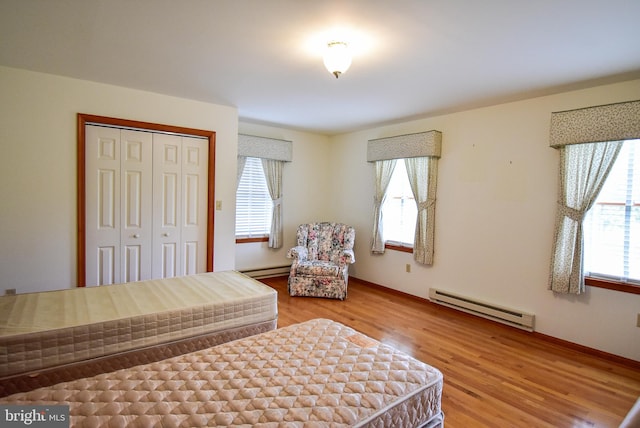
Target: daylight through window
399,211
253,203
612,226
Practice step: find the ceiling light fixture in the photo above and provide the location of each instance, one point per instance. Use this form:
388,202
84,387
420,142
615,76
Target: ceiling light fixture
337,58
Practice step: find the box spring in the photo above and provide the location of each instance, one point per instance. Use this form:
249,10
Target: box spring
317,373
75,330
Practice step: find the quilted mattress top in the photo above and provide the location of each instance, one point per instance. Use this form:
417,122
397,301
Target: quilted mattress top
318,373
34,312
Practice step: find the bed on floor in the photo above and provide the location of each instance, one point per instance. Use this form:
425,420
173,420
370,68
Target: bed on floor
317,373
55,336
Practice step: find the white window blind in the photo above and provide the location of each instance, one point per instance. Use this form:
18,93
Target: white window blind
612,226
253,203
399,211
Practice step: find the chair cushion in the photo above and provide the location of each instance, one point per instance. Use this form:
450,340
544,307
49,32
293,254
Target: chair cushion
317,267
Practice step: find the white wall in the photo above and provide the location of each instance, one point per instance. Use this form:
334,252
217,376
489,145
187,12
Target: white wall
305,194
497,188
495,211
38,174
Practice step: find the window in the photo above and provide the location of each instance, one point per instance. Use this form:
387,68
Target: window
253,203
399,210
612,226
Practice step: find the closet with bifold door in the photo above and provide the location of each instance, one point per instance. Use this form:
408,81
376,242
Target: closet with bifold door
146,202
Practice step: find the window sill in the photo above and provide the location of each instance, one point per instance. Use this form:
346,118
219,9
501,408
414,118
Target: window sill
248,240
612,285
398,248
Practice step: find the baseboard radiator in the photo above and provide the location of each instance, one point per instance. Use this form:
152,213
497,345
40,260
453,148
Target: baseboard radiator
512,317
267,272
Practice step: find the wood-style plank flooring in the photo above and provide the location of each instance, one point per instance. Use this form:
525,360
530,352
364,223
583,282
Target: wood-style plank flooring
494,375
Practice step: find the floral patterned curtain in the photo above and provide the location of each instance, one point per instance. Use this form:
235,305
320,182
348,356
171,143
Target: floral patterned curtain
423,172
273,175
384,171
583,171
589,140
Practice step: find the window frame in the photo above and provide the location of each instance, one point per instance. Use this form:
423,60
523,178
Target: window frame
249,240
612,284
241,239
391,244
396,247
609,284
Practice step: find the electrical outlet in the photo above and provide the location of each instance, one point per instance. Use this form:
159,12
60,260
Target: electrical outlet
12,292
218,205
407,267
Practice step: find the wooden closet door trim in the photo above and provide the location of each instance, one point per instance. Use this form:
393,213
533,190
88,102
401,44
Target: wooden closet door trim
83,119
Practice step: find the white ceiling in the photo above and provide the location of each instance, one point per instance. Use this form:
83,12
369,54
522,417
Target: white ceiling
413,58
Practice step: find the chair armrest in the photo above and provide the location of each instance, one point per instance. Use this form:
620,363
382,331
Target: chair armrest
298,252
348,256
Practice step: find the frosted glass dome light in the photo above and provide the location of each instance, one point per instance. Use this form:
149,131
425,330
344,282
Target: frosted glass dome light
337,58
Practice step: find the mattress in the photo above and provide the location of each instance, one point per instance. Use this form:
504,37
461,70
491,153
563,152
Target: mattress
314,374
50,329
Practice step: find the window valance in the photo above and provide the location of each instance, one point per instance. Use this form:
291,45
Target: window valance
265,148
422,144
612,122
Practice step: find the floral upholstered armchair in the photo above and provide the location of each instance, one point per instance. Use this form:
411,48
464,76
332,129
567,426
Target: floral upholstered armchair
321,260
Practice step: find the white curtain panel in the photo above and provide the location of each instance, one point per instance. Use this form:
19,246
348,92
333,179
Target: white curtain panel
273,174
422,174
384,171
583,171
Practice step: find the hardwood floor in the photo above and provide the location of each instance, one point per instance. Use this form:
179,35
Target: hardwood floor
494,375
